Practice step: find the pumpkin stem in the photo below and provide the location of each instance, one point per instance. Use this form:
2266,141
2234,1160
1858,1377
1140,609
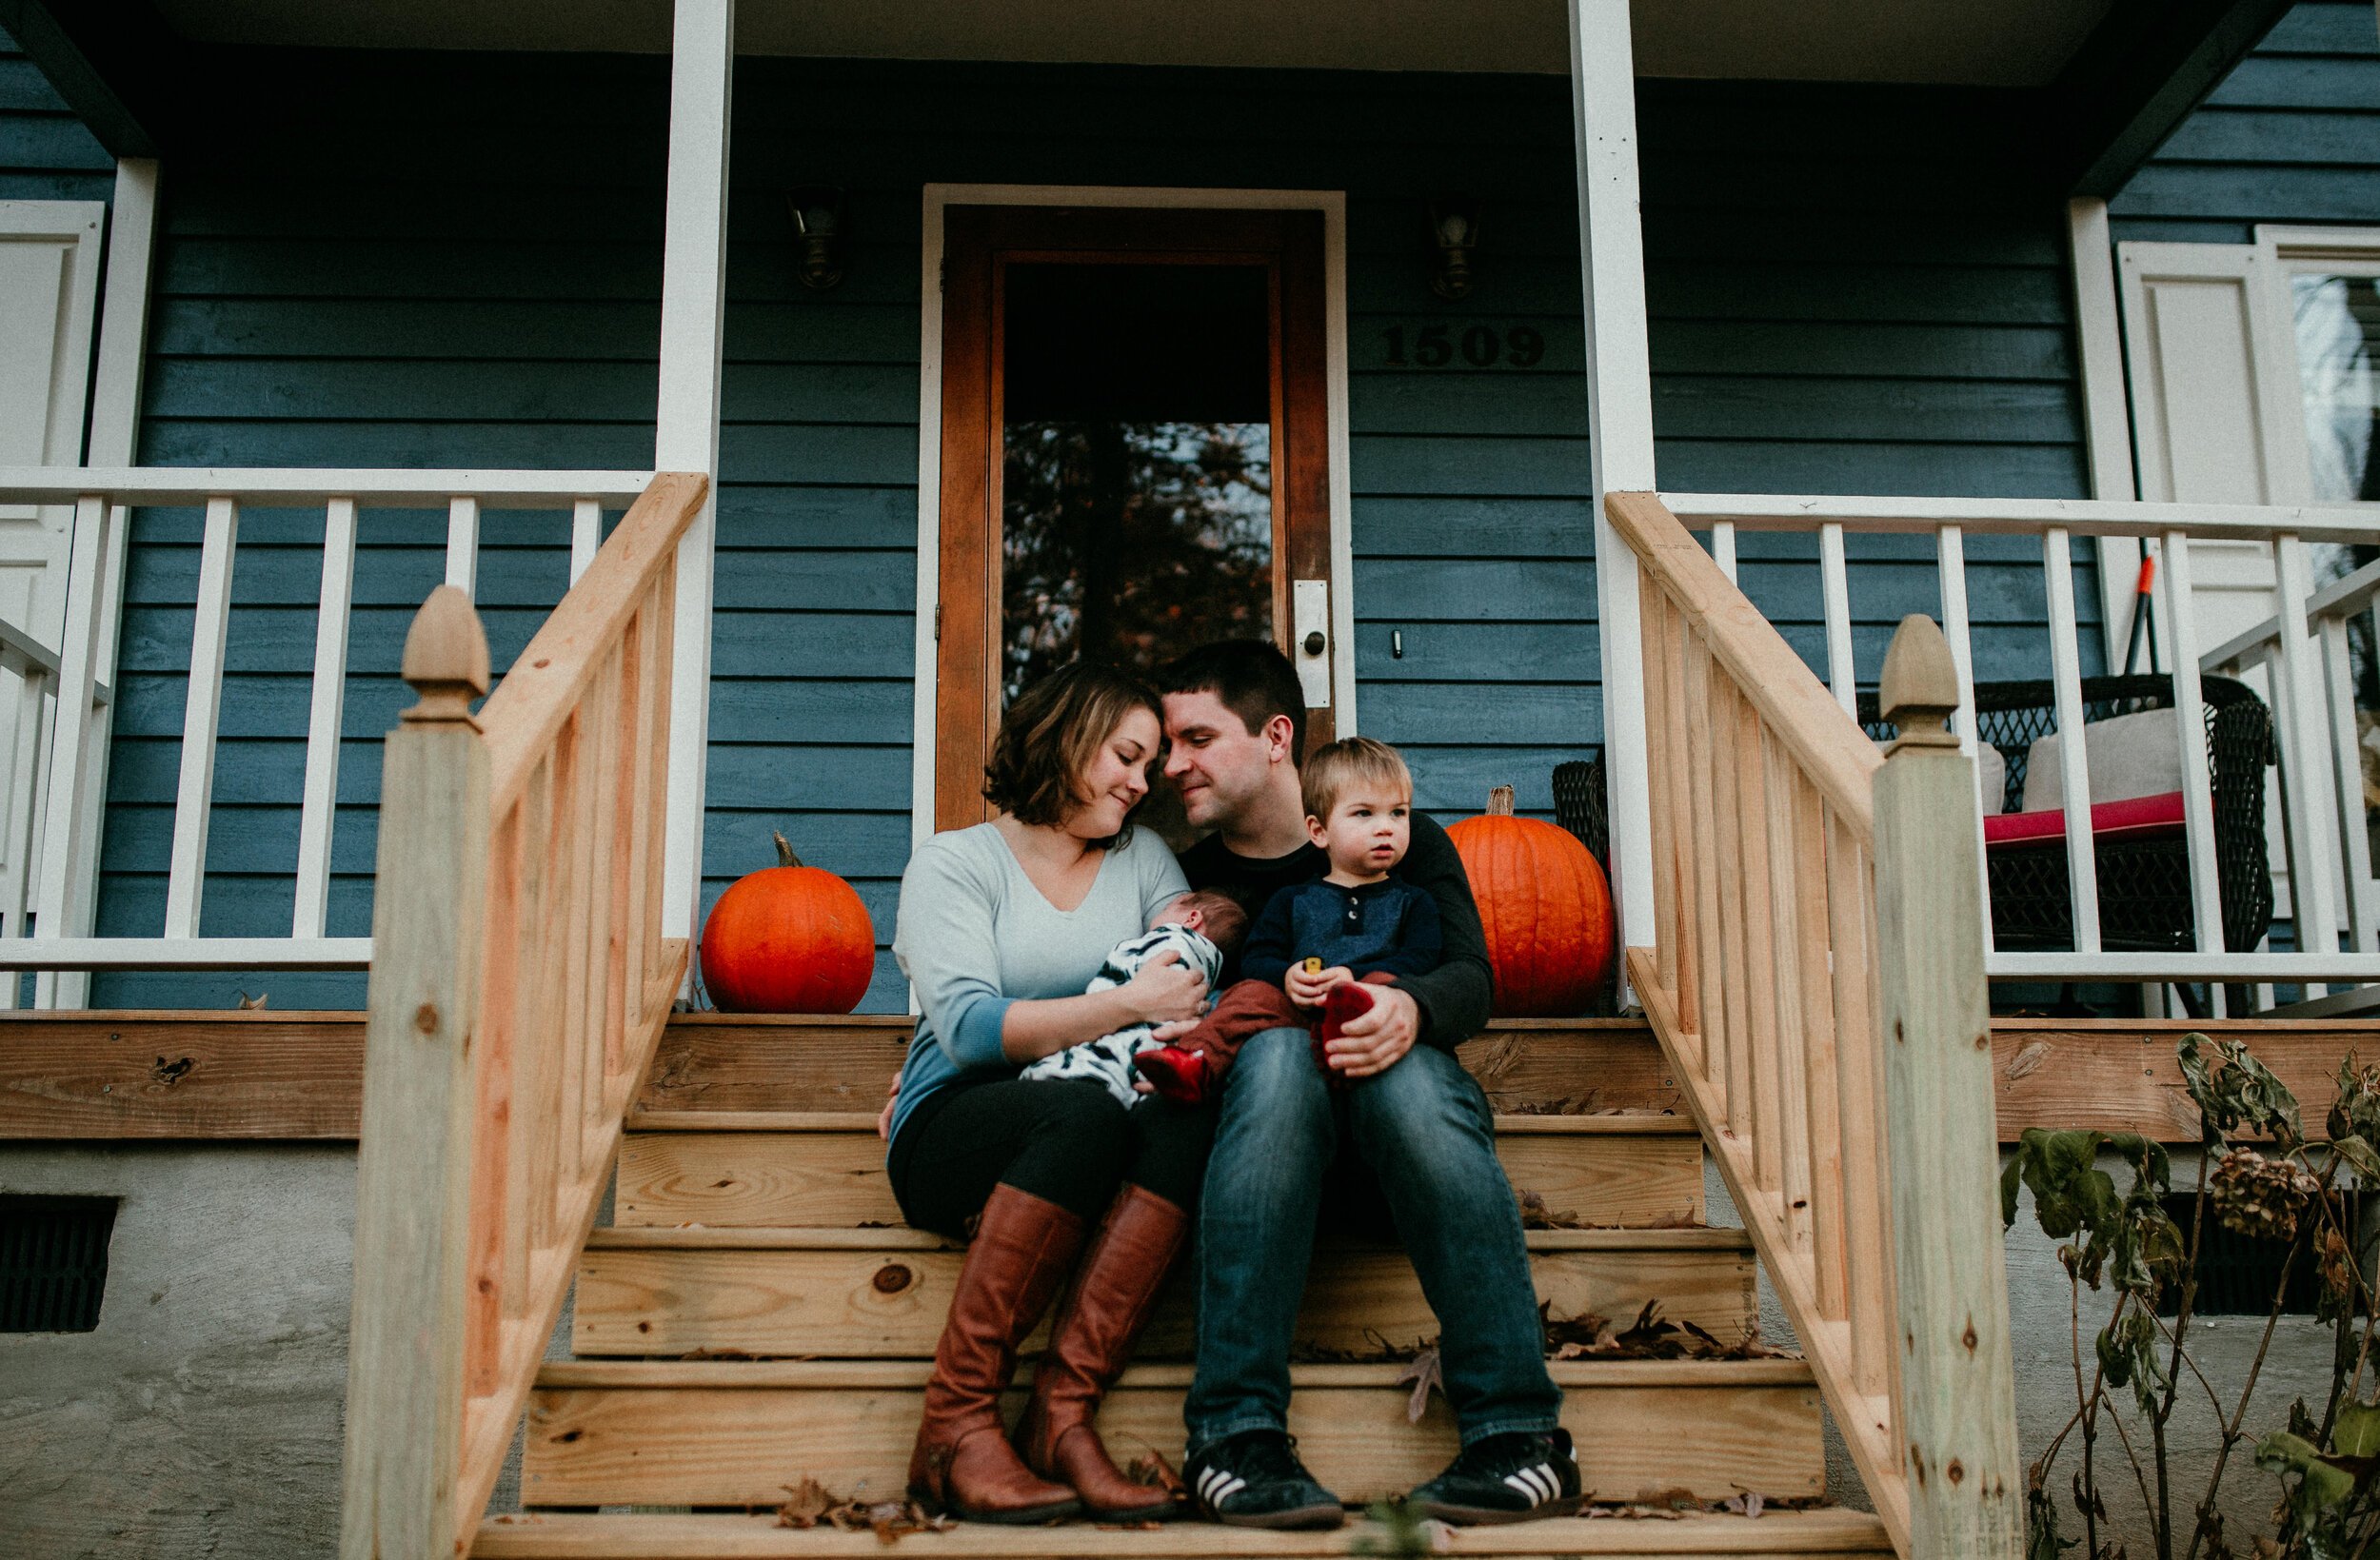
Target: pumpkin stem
1500,801
785,849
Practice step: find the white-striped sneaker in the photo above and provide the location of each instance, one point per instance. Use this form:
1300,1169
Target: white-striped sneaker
1255,1480
1514,1477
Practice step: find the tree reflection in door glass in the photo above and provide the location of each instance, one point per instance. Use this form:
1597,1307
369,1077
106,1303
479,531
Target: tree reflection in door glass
1129,543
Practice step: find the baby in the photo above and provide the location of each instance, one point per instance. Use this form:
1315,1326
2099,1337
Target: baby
1196,928
1317,944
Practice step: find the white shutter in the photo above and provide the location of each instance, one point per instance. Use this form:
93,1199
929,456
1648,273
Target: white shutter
2214,406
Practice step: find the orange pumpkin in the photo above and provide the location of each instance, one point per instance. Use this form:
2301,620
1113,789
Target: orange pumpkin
788,939
1545,906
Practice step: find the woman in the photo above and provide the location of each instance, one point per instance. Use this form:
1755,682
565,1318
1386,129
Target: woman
1001,927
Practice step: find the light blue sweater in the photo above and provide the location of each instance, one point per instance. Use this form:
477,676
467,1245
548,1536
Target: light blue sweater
974,936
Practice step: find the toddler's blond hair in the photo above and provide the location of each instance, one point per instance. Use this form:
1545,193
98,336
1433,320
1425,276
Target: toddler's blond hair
1340,767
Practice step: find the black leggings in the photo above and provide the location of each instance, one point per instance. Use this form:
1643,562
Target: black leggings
1067,1142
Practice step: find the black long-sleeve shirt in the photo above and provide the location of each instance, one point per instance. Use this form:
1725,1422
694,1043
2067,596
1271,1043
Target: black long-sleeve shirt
1455,996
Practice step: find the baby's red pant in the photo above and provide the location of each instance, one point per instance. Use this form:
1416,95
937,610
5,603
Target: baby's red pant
1249,1009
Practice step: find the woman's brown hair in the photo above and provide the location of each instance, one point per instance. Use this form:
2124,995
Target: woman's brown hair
1050,734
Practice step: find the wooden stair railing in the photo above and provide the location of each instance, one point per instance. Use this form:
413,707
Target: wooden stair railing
1811,899
521,980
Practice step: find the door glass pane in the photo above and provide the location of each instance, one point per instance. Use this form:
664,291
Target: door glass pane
2338,326
1137,507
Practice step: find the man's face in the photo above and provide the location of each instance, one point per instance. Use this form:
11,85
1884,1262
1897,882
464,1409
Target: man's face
1216,763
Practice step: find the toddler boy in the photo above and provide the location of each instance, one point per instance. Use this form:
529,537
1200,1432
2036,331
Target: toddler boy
1196,928
1319,944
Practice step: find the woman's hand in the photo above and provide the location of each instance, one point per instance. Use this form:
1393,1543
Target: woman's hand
1307,990
1165,991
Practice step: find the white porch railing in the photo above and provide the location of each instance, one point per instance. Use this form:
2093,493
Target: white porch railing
2318,754
53,807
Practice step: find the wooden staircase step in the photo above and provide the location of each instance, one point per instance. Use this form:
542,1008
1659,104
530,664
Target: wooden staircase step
789,1291
778,1168
739,1432
1820,1532
807,1063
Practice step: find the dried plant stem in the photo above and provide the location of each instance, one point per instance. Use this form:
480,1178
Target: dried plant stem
2256,1367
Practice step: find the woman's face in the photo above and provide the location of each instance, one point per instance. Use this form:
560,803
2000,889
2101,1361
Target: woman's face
1115,779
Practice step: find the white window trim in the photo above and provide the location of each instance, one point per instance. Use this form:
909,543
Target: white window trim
939,197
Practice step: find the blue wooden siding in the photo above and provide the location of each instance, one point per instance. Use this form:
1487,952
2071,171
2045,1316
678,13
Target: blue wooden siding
478,287
46,154
2292,135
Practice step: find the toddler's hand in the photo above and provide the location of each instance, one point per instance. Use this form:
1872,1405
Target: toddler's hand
1307,988
1166,990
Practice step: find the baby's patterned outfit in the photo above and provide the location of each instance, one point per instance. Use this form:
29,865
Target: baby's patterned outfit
1108,1059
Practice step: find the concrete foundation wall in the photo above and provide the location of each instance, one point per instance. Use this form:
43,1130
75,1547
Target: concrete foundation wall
202,1418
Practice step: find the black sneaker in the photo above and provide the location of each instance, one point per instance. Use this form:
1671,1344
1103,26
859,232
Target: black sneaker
1254,1479
1515,1477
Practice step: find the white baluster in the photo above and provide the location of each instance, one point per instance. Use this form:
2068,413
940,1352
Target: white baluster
463,545
2174,616
2082,864
2298,701
202,711
1841,675
318,814
586,534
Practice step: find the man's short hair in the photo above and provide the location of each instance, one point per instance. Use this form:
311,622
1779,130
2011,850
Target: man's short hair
1338,767
1251,677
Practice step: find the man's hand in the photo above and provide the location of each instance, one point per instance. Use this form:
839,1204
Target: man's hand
892,1096
1307,988
1375,1041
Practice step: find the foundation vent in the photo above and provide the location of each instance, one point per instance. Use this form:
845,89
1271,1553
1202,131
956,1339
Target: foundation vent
53,1262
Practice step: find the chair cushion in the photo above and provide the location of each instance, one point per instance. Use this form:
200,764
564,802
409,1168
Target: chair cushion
2130,756
2135,816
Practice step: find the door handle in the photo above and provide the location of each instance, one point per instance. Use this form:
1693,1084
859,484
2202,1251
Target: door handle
1309,620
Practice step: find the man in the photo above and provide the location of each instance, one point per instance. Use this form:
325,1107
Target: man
1411,1119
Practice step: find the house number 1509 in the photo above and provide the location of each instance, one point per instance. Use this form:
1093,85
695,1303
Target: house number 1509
1434,347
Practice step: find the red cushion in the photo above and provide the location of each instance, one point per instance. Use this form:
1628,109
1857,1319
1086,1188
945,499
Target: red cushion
2109,820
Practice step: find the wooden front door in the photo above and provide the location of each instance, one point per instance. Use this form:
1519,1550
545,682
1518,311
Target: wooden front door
1135,449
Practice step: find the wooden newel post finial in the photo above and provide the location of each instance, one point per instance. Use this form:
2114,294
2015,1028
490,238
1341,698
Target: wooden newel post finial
446,658
1920,691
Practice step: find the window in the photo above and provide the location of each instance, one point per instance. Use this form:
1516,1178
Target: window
2337,319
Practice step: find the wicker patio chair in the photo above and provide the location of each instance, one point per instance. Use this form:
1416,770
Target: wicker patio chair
2144,882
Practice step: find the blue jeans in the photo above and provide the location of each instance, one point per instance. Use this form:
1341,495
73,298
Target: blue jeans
1424,1129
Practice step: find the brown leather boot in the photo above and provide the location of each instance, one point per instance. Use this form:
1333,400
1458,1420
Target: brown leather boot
964,1463
1101,1318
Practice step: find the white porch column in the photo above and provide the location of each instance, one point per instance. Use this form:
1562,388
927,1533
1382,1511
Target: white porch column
1619,416
686,437
66,894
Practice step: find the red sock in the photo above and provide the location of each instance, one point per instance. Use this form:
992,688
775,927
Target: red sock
1346,1000
1180,1076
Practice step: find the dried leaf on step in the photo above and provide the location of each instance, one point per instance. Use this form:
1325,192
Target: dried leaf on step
1426,1375
250,1004
808,1502
1747,1504
1150,1468
1535,1215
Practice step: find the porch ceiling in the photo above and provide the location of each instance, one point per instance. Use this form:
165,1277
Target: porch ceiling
1998,42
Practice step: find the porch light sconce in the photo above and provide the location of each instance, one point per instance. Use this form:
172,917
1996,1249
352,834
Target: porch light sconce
819,222
1455,230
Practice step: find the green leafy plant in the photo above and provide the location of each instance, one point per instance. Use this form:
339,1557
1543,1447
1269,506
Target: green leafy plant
2277,1187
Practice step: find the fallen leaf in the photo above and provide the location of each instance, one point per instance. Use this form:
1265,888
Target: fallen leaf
808,1502
1426,1373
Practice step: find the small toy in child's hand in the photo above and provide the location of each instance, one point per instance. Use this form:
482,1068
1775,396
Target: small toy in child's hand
1313,966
